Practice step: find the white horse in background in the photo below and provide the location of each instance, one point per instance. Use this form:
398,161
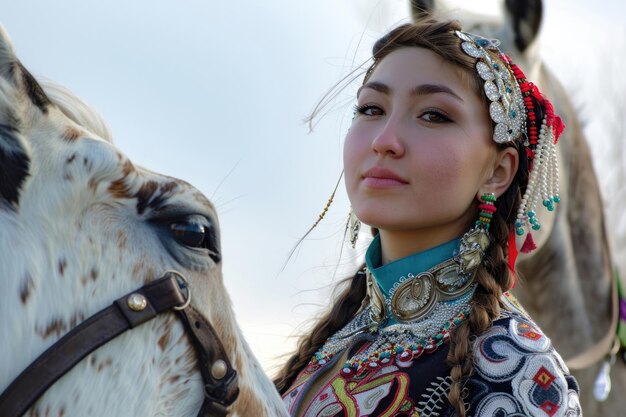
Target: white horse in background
80,226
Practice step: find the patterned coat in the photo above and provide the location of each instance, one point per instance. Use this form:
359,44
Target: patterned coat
517,373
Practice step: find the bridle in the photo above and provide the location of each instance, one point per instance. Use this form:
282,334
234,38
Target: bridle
164,295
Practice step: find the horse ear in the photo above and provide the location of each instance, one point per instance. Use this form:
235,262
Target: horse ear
14,159
12,70
7,56
525,19
421,9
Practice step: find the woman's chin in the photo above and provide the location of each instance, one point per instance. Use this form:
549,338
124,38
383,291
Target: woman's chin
382,223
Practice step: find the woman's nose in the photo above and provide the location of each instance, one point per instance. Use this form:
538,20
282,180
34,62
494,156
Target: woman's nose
388,141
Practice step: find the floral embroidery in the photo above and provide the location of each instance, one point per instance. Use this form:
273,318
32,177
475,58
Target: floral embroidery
523,356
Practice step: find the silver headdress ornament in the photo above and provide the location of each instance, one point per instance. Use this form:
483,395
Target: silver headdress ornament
507,104
515,104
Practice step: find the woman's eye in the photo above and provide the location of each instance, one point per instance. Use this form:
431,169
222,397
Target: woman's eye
432,116
197,235
368,110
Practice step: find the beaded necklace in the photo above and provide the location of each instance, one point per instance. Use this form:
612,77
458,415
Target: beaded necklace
394,339
400,342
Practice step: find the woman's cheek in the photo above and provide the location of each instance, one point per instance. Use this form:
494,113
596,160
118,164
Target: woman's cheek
352,158
349,166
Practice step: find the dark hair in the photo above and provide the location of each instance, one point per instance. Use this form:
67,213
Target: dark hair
492,277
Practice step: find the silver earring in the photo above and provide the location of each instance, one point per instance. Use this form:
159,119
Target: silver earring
354,225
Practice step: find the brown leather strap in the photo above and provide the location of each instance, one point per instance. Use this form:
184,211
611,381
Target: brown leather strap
221,386
159,296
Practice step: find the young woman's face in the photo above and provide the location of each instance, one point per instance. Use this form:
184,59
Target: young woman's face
419,147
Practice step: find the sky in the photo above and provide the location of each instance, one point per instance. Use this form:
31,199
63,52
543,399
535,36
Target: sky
215,93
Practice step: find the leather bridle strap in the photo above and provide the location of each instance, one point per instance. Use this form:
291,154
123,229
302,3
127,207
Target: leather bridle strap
133,309
221,386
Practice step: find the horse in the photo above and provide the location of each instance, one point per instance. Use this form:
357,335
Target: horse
80,227
567,284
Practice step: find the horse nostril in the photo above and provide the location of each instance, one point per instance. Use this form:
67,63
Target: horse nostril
198,325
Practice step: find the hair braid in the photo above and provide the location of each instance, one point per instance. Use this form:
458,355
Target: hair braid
344,308
492,279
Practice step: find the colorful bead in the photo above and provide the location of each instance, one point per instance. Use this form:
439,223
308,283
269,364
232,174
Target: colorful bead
487,208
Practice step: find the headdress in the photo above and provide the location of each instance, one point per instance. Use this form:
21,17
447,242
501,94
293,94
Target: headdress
516,104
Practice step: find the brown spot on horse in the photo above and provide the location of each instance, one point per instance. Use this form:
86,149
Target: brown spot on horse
27,286
71,134
56,327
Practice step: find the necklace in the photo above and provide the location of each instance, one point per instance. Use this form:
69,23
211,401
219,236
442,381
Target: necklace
427,307
415,296
402,342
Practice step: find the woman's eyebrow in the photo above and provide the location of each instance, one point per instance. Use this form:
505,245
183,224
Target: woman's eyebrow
376,86
420,90
426,89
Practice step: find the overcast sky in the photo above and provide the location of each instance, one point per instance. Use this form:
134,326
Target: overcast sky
215,93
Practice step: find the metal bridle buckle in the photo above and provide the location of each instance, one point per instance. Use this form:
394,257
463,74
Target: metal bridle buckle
183,284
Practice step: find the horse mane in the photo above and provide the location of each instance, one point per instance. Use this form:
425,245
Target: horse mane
76,109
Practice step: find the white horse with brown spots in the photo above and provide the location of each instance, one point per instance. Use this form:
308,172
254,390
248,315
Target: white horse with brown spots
81,226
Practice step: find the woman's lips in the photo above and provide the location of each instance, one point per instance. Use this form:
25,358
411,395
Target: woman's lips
379,177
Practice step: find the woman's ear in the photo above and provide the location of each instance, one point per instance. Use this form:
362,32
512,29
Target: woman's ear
504,170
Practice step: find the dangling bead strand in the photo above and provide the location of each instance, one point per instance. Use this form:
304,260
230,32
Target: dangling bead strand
544,168
543,182
537,186
555,127
555,174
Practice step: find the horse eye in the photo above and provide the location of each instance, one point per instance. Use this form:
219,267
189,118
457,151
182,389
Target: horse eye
197,235
190,234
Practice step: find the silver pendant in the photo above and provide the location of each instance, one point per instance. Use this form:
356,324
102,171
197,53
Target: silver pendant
602,383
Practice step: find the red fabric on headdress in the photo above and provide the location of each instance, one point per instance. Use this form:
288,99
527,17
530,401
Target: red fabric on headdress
529,244
559,126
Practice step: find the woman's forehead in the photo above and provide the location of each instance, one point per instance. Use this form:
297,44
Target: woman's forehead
409,67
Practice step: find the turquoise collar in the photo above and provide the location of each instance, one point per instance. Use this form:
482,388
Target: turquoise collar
390,274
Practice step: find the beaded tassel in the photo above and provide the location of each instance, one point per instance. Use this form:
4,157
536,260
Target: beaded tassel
543,182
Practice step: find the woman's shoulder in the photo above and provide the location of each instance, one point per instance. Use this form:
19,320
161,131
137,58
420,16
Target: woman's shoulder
517,369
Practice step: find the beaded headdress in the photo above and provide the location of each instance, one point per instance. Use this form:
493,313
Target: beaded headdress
514,108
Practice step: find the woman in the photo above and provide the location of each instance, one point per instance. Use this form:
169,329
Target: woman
450,153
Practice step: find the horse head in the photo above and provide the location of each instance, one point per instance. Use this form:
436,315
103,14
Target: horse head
80,226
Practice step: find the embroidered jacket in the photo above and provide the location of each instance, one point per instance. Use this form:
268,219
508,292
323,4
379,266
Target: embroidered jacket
517,373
